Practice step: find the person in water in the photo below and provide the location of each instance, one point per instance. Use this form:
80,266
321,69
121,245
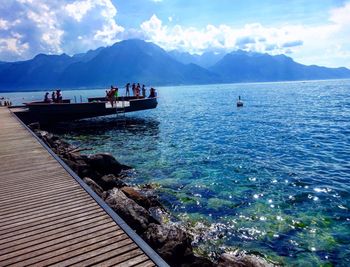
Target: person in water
47,98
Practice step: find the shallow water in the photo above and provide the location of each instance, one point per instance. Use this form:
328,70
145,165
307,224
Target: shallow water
271,177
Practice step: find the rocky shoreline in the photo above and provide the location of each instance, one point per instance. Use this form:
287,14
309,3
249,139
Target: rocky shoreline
140,208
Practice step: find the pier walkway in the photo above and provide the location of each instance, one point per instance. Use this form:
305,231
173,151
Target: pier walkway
48,216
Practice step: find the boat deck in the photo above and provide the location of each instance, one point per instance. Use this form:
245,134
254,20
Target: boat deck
48,216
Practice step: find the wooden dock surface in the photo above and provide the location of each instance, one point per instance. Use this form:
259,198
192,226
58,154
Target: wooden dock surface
47,217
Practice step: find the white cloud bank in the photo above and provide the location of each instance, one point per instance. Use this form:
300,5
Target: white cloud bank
30,27
327,44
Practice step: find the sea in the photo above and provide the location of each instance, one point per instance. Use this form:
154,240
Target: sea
271,178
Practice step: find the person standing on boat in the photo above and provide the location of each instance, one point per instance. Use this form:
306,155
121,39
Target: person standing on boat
116,94
59,96
46,98
143,91
133,89
53,97
111,96
152,92
127,92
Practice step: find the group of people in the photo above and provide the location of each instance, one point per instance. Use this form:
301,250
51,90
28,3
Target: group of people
56,97
137,91
5,102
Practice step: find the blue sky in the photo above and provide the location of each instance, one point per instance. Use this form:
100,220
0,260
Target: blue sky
310,31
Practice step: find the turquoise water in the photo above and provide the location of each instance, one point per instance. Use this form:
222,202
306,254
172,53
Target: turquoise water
272,177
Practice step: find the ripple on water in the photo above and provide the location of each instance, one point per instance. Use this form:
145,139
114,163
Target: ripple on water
271,177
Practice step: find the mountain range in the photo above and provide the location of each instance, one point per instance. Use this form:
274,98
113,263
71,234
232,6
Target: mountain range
144,62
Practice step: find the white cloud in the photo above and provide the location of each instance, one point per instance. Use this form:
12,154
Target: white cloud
327,44
78,10
53,27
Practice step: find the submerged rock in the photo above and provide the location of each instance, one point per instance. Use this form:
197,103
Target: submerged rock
105,163
135,216
172,244
242,259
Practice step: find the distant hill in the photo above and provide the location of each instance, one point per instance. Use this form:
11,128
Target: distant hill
144,62
241,66
204,60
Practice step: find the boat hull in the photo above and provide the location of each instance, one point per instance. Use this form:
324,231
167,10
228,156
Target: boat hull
54,112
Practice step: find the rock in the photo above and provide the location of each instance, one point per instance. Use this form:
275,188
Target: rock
135,216
196,261
242,259
34,126
136,196
110,181
79,167
172,244
95,187
105,163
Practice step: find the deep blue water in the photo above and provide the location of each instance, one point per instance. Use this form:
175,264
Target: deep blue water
272,177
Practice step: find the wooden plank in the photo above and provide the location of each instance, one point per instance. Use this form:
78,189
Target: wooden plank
29,228
17,206
89,252
148,263
58,231
38,218
92,231
12,218
34,223
62,248
117,260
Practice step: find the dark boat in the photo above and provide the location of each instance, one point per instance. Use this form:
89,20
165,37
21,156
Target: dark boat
98,106
239,102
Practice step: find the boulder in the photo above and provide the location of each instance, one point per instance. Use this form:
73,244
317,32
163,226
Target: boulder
136,196
196,261
172,243
110,181
105,163
135,216
95,187
34,126
79,167
242,259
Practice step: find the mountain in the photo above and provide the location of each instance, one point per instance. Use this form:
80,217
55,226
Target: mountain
241,66
135,61
126,61
204,60
145,62
41,71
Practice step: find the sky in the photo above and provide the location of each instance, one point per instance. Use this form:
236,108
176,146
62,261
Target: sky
310,31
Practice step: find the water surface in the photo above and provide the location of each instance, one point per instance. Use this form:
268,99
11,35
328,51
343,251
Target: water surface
271,177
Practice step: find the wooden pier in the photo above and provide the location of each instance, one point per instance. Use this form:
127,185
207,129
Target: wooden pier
48,216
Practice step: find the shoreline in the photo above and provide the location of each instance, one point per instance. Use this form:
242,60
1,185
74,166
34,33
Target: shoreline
140,207
89,88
